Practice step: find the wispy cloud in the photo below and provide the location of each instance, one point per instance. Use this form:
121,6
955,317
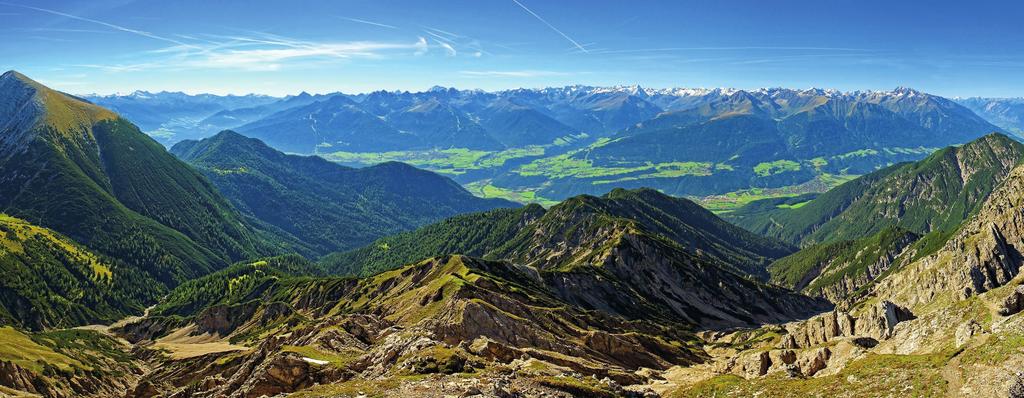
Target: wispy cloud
448,48
453,42
571,40
62,30
790,58
52,39
512,73
263,52
447,34
117,68
98,22
363,21
270,58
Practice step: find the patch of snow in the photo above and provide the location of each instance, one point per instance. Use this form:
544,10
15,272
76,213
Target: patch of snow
315,361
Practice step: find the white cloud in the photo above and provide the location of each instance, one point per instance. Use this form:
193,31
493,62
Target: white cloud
265,53
512,73
121,67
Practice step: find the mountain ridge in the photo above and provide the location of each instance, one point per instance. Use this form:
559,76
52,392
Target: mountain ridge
82,171
341,207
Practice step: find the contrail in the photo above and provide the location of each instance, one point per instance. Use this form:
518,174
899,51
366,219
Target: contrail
109,25
363,21
552,27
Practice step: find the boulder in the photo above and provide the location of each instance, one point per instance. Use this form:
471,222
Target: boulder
965,331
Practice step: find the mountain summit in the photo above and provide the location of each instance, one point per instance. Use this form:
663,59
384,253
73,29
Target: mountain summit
84,172
27,106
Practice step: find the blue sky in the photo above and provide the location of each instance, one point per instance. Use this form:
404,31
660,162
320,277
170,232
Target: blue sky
973,48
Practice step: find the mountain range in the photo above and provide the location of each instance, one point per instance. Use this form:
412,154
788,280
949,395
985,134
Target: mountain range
228,267
554,143
1007,113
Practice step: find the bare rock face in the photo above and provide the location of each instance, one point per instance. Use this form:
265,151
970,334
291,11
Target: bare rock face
805,363
846,288
149,328
881,320
18,378
223,319
815,362
283,374
491,349
1014,303
386,353
819,329
750,365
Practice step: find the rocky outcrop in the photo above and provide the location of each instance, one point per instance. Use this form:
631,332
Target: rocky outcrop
222,319
148,328
1013,303
877,322
794,363
965,332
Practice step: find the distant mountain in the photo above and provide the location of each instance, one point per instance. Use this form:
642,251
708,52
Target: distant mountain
236,116
772,138
81,170
333,124
384,121
173,116
558,142
1007,113
325,206
515,125
440,125
599,111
